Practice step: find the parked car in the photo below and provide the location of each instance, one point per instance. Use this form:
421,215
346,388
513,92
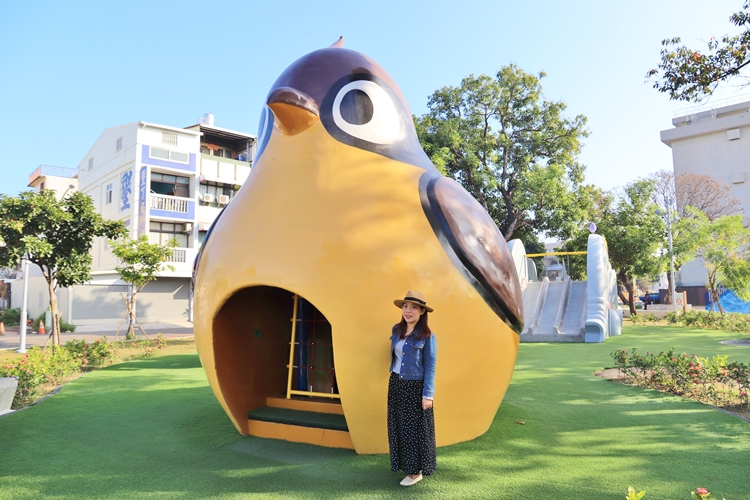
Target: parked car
654,298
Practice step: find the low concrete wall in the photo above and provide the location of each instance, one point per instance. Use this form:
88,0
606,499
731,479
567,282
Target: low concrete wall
658,310
8,388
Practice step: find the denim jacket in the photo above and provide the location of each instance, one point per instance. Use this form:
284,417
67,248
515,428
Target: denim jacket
419,360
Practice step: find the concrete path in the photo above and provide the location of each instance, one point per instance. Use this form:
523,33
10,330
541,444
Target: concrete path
89,333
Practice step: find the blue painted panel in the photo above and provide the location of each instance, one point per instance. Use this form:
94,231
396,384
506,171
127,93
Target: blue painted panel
189,167
126,187
143,195
190,215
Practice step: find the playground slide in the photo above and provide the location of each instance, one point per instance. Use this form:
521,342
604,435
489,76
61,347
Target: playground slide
571,311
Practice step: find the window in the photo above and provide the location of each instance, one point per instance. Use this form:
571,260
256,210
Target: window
108,196
163,232
177,156
169,155
215,189
91,163
159,153
118,147
170,185
169,138
215,150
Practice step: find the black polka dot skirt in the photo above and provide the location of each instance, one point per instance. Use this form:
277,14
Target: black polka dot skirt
411,430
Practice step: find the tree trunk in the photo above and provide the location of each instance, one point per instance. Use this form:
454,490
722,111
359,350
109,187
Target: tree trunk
131,315
714,292
629,287
55,317
668,294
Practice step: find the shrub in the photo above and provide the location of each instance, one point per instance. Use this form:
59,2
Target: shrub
11,317
733,322
148,346
37,368
89,356
710,380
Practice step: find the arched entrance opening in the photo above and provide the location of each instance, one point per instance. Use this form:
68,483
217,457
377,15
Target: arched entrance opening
275,365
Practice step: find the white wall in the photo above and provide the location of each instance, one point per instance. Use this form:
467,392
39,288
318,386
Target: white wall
707,143
693,273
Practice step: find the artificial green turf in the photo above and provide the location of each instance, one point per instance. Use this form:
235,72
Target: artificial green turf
152,429
299,417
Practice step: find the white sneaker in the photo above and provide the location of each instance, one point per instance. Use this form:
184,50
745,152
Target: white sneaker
408,480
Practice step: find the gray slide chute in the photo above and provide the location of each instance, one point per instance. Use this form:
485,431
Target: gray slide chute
565,310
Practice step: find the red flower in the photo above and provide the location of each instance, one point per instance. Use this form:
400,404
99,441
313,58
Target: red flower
701,491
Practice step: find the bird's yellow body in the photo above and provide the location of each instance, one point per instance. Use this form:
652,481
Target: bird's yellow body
345,229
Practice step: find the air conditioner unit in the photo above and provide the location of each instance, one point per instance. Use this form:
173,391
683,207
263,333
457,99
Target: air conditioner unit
223,199
207,197
188,227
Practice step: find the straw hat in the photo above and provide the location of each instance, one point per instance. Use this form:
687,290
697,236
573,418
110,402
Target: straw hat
413,297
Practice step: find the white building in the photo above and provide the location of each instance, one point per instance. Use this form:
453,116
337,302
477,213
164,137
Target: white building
163,182
714,142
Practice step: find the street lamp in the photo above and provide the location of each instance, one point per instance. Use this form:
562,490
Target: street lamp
671,255
24,304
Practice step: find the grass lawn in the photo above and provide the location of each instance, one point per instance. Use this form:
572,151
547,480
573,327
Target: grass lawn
151,428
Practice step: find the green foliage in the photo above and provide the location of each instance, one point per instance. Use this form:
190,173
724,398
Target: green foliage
37,368
714,380
140,260
643,318
11,317
723,245
64,325
56,235
632,495
149,347
633,230
730,322
511,149
689,75
701,494
96,354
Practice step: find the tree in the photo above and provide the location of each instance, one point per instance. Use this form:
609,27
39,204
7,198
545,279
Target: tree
724,246
674,193
511,149
56,235
711,196
688,75
141,262
634,234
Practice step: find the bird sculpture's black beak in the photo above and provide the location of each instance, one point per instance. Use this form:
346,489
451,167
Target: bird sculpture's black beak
295,111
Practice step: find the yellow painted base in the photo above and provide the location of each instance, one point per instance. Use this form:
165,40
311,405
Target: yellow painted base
298,434
303,405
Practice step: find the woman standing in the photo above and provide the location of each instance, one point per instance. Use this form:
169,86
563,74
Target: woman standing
411,389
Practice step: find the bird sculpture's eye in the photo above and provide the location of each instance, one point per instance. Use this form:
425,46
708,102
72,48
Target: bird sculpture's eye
264,131
363,109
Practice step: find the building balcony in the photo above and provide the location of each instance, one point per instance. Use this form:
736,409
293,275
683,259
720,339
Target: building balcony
52,171
182,260
223,170
175,207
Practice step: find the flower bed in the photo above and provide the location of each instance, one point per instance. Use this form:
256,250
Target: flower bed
39,371
714,381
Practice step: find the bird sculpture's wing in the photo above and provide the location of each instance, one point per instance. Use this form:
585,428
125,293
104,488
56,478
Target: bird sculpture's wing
474,243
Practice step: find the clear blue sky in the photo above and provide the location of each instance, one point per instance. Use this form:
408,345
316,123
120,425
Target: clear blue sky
68,70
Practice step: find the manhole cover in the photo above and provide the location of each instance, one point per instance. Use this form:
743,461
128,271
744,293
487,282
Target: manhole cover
735,342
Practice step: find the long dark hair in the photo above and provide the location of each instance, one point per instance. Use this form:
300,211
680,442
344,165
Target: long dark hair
421,327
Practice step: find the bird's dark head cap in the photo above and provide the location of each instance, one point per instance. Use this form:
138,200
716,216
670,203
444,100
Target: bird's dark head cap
314,74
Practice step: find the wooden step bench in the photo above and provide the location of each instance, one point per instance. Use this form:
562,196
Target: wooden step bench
299,421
